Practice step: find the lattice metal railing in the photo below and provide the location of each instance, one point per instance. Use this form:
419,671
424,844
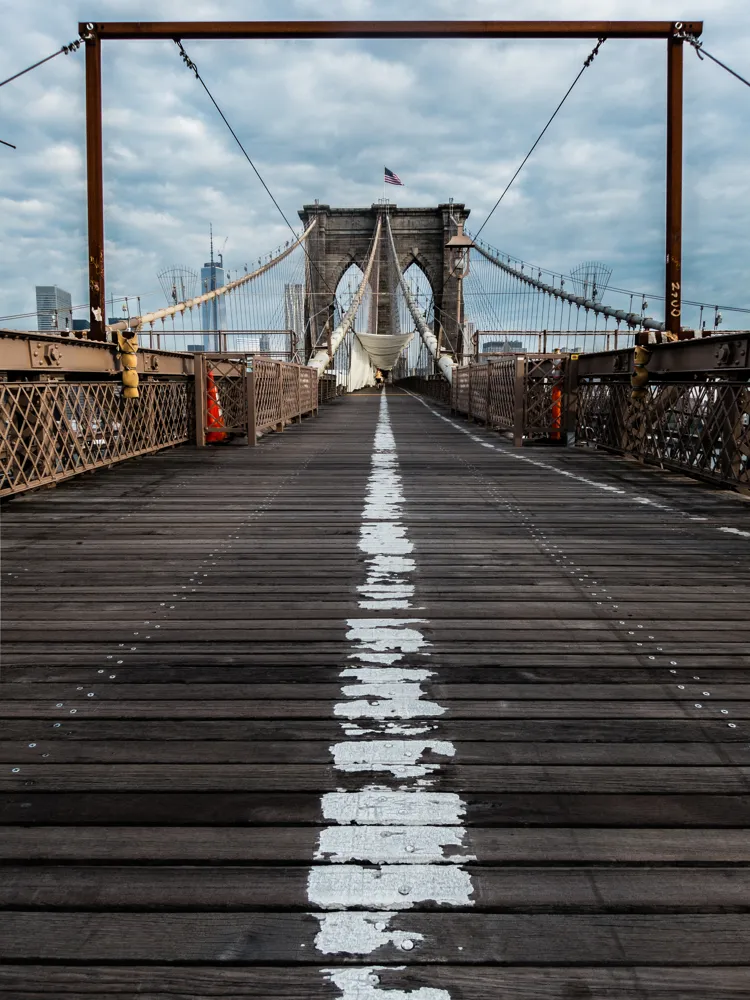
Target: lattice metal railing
525,393
50,431
283,393
435,386
702,428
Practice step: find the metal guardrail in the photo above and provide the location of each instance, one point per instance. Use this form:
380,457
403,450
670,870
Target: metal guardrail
62,411
527,394
50,431
694,416
436,387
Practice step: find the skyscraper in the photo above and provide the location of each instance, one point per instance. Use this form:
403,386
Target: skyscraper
53,306
213,312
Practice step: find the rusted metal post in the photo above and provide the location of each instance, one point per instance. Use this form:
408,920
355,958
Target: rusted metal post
571,396
488,397
199,371
280,379
673,294
95,185
519,401
252,422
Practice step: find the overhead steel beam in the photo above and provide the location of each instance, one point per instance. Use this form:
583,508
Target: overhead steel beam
388,29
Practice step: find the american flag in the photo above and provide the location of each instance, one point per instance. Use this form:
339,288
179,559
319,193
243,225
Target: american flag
391,178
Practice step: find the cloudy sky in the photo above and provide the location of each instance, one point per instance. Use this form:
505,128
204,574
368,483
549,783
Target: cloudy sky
321,119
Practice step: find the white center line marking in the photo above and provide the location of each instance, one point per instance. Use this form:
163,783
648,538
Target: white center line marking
392,845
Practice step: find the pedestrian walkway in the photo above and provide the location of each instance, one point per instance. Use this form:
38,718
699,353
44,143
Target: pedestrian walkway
382,709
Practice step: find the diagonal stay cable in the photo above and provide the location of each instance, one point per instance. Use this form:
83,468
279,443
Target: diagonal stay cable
192,66
592,55
66,49
701,52
587,62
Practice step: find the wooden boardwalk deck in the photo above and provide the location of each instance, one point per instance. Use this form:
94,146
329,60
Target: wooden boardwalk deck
379,709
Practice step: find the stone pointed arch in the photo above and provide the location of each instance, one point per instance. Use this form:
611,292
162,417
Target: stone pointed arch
343,236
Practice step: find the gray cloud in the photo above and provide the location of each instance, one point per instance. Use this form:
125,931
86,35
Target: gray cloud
321,119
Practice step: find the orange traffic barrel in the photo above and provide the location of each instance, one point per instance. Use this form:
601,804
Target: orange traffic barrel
214,412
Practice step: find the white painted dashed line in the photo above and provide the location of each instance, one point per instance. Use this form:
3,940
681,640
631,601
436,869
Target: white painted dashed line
571,475
388,847
735,531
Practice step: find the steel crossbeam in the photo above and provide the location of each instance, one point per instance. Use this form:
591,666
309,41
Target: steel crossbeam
674,32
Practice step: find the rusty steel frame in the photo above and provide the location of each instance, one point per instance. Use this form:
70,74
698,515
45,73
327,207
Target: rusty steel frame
95,32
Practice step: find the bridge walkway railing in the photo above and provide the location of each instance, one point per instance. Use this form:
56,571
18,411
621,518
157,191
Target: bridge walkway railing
683,406
63,411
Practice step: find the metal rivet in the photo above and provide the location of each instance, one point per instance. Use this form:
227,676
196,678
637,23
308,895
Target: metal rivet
698,706
725,711
15,770
407,945
101,671
73,711
45,755
680,687
112,676
732,725
90,694
79,689
56,725
706,694
59,705
32,744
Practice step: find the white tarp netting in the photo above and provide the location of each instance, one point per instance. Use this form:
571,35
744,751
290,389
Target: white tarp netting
361,371
384,349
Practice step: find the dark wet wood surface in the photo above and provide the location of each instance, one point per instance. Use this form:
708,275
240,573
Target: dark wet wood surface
174,630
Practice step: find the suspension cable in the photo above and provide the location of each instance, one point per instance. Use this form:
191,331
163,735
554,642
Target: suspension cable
66,50
592,55
701,52
192,66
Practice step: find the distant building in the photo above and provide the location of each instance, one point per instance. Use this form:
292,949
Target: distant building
213,312
53,306
500,346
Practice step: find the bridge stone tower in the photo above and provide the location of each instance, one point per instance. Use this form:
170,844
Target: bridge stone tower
343,236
